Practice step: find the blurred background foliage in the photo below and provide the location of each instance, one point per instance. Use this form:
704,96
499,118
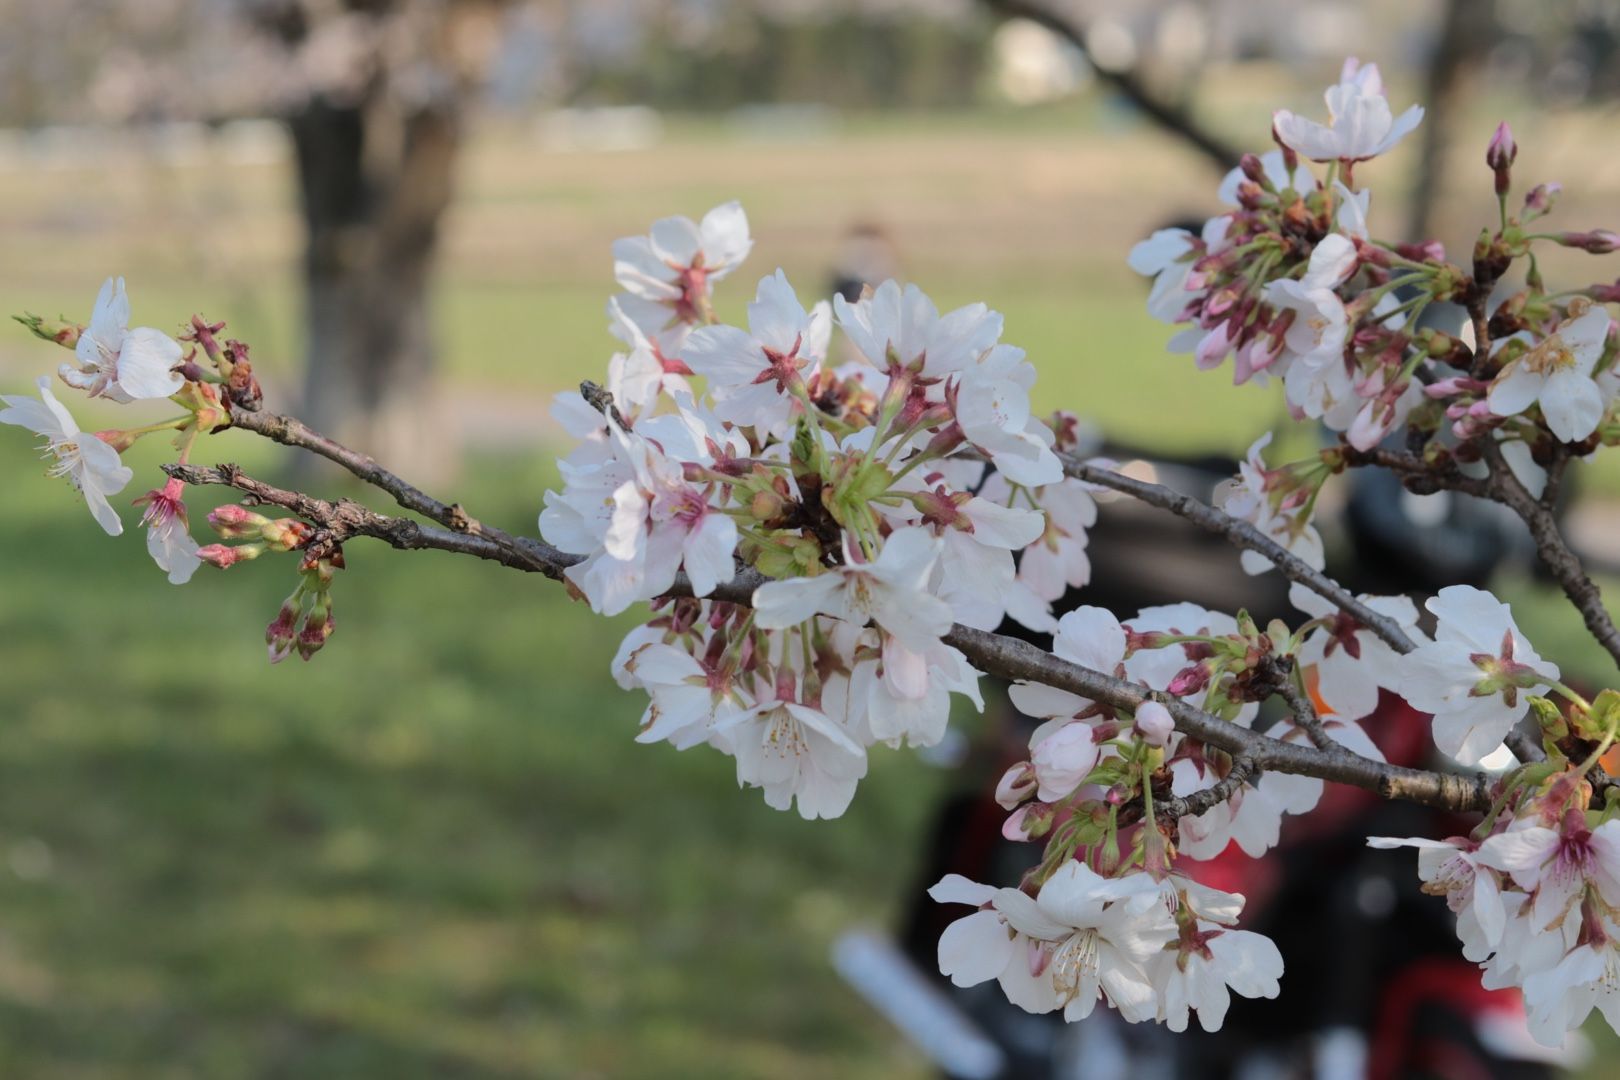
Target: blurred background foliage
436,850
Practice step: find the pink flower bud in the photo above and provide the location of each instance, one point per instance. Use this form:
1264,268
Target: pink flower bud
117,439
233,522
1154,723
1017,784
1597,241
1014,827
224,555
1499,156
1189,680
1253,168
279,635
1542,197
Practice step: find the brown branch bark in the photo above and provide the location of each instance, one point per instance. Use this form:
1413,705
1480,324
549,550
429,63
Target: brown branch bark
995,654
1243,535
1555,553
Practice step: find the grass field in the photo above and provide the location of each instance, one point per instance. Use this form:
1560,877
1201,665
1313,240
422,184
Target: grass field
435,850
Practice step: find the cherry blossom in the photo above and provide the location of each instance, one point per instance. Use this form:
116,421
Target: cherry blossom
985,945
1088,636
168,538
1250,499
118,363
839,522
1095,944
798,755
1360,124
887,591
1352,663
1471,675
1206,966
1557,374
751,373
90,465
902,329
1556,864
677,262
992,406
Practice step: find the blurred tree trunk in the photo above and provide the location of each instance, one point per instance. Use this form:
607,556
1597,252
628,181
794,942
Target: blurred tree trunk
375,182
1461,41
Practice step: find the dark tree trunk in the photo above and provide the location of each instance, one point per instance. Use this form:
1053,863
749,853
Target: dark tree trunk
1461,41
374,182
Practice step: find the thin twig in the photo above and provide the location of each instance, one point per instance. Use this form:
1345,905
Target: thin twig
1242,534
1174,119
1304,710
1556,554
1243,771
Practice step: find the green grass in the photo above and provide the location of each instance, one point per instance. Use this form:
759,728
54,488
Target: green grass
434,850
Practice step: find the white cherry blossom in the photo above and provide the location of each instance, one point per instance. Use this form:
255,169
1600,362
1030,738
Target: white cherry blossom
902,326
888,591
751,372
798,755
1360,123
1471,676
118,363
675,264
168,538
1209,963
90,465
1248,500
1096,943
992,405
1555,865
1352,662
1557,374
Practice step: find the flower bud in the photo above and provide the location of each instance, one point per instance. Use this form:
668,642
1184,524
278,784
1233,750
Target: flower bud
1542,198
767,505
1016,785
117,439
1029,822
1499,156
1154,723
317,628
1253,168
1597,241
279,635
65,334
285,534
1190,680
233,522
225,555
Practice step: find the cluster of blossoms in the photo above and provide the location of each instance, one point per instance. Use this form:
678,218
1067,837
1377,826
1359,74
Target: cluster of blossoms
1536,887
892,483
124,366
824,506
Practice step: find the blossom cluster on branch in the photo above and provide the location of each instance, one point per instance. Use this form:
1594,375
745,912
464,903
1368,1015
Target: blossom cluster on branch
830,509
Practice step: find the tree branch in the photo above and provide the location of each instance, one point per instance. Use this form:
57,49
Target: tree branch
1243,771
995,654
1304,710
1556,554
1172,118
1243,535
